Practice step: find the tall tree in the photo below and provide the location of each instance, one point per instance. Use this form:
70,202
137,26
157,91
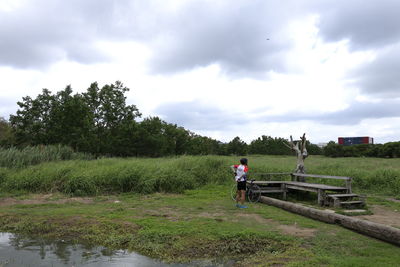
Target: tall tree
110,114
32,121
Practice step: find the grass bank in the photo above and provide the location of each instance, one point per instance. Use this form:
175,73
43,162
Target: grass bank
197,224
178,209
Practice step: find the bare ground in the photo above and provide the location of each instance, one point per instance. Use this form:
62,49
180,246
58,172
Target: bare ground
383,215
43,199
290,229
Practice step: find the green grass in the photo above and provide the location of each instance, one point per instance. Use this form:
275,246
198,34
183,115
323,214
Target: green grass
197,224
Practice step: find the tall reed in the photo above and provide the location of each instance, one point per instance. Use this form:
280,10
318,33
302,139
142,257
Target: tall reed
32,155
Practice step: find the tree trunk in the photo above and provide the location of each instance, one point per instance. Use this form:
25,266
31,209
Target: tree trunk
377,230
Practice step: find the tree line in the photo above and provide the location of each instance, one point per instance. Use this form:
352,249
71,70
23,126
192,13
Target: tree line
387,150
100,122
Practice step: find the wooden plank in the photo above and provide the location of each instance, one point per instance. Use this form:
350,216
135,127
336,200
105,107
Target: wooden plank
301,188
342,195
265,182
321,176
270,191
351,202
272,173
317,186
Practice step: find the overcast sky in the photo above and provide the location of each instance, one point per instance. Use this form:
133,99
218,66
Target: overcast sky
218,68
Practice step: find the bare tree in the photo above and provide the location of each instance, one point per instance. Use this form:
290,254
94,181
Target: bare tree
301,152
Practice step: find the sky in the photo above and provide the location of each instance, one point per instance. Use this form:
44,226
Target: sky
219,68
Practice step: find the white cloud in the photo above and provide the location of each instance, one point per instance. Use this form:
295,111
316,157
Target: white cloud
209,66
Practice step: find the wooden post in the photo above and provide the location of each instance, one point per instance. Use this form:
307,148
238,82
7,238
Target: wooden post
321,197
348,185
336,202
283,188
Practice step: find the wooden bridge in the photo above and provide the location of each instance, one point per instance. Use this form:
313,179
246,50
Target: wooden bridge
327,195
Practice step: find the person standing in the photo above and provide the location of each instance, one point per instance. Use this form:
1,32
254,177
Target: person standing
241,177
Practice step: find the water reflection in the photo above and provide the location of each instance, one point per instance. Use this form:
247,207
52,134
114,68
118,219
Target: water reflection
17,250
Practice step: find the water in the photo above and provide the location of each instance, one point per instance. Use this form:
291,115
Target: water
18,251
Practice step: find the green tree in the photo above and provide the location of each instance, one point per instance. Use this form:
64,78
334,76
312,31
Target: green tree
98,121
70,121
266,145
237,146
110,114
32,122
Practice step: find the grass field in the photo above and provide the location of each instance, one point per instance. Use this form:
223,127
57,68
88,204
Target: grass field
178,209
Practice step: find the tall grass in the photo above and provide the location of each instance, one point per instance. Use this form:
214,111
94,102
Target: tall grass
18,158
144,175
112,175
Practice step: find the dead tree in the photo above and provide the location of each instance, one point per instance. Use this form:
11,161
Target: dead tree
301,152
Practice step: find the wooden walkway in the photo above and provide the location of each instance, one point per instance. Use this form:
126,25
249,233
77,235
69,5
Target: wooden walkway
283,186
337,196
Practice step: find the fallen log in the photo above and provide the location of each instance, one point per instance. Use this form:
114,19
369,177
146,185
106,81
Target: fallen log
377,230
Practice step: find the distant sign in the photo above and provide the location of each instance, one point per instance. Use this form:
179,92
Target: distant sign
348,141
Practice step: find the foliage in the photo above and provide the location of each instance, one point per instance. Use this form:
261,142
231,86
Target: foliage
387,150
96,121
237,146
266,145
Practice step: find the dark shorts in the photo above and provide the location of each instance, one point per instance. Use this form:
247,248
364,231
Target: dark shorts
241,185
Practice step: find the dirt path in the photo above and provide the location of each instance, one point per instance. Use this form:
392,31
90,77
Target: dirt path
43,199
383,215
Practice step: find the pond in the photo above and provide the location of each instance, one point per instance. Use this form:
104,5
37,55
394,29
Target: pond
18,251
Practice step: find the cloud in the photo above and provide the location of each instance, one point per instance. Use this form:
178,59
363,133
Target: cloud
196,115
186,36
380,77
247,38
366,24
353,115
42,32
7,106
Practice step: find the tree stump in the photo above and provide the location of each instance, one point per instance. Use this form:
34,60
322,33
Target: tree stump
301,154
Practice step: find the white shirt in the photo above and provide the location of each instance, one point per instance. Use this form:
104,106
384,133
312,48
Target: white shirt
241,172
